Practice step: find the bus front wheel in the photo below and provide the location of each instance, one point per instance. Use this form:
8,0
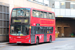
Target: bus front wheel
18,44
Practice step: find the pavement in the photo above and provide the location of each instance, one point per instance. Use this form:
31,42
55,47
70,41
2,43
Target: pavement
58,44
3,43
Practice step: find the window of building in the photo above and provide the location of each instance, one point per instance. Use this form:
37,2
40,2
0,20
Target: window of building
57,4
39,1
67,5
72,5
62,5
46,2
0,8
52,4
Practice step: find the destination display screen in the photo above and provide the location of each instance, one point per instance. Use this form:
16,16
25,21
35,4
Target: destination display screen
19,20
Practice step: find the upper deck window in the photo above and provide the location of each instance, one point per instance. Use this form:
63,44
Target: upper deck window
51,16
45,14
35,13
42,14
21,12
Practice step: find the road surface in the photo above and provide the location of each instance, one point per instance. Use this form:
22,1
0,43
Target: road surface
58,44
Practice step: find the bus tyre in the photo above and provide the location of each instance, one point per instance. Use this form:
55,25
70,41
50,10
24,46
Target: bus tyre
50,40
18,43
37,41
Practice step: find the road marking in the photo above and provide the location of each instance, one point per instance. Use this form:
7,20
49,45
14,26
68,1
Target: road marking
2,47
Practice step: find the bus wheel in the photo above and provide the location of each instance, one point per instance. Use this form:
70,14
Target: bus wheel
50,40
18,44
37,41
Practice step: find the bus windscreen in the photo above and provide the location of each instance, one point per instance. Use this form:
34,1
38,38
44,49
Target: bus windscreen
19,30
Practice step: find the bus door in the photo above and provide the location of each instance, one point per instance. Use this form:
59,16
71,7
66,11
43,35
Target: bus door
45,34
32,34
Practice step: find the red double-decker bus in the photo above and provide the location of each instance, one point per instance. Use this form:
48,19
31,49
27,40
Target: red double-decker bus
32,26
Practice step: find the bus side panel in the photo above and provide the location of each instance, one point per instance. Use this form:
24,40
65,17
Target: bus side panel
48,37
41,37
53,35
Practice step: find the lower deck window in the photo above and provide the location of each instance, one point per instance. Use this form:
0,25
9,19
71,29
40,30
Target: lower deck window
42,30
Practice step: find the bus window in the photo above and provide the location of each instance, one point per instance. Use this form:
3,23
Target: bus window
45,29
45,14
21,12
14,13
49,29
37,30
37,13
53,16
27,30
41,14
41,30
27,14
50,16
34,13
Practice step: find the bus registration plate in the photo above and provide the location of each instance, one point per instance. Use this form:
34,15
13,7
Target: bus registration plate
18,42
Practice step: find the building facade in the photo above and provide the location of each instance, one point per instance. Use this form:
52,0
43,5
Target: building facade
65,16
